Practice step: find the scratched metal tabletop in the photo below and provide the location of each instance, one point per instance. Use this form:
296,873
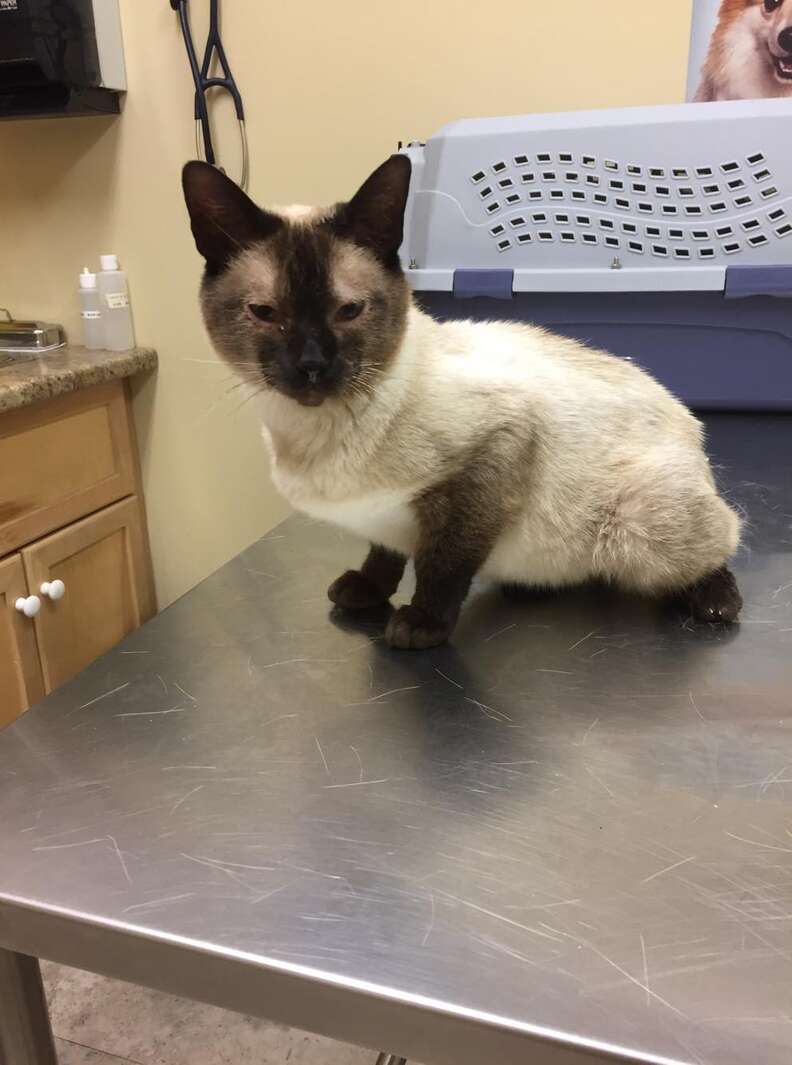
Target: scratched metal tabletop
570,833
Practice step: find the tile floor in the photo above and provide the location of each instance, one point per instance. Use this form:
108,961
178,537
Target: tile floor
105,1022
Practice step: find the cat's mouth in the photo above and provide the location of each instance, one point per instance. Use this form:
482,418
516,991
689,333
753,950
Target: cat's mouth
311,398
311,393
306,387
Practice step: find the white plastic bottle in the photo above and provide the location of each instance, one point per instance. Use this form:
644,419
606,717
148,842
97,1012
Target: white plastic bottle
90,311
114,300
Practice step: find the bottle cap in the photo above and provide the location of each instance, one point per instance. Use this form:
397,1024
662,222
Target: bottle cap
87,279
109,262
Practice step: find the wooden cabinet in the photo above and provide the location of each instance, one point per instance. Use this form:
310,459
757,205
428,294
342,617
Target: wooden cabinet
102,564
20,673
71,509
61,460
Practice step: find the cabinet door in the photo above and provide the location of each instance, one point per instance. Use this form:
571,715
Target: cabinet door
104,567
20,672
62,459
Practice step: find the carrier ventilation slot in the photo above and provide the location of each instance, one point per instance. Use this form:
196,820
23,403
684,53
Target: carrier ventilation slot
657,191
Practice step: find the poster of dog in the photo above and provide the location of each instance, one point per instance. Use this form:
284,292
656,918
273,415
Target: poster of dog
740,50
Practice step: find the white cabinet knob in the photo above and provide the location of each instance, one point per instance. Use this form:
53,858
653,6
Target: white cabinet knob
29,607
53,589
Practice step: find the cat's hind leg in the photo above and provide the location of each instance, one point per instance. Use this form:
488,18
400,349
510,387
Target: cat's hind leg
670,534
714,598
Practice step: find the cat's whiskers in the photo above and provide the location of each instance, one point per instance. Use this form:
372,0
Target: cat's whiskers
238,385
384,375
222,363
247,399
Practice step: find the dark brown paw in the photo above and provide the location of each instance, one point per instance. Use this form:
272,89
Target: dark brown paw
411,628
715,598
353,591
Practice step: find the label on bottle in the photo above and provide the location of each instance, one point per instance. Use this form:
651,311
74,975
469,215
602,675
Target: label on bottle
116,300
90,315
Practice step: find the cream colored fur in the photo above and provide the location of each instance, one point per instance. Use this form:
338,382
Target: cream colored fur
613,478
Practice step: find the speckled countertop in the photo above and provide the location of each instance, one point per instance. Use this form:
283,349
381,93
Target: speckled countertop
26,379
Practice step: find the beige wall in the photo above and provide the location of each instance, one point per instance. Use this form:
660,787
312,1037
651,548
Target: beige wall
329,88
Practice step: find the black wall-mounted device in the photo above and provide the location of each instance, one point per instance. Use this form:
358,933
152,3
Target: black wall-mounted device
60,57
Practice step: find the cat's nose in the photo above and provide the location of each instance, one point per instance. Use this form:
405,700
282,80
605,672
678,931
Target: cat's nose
312,363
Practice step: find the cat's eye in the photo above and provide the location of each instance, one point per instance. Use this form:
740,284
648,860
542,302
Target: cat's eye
264,312
347,312
771,5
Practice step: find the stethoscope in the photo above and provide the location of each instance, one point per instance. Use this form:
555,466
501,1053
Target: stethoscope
214,48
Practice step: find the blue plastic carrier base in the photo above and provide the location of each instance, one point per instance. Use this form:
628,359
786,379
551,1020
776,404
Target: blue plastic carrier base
713,353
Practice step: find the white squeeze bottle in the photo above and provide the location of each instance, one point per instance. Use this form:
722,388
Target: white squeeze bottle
114,300
90,311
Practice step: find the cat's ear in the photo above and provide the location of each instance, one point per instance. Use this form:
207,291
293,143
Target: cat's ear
374,217
224,220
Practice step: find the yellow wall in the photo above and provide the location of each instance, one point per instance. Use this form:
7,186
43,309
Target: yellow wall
329,88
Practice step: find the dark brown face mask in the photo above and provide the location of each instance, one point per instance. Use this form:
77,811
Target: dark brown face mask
305,339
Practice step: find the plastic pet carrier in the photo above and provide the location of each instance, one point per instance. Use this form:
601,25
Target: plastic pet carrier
662,234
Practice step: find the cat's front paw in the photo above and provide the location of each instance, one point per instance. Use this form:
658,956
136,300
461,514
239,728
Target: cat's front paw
411,628
354,591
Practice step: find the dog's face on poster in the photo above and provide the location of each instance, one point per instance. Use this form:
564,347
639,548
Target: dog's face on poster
777,24
750,52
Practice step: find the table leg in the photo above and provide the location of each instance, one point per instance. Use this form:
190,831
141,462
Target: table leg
25,1033
389,1059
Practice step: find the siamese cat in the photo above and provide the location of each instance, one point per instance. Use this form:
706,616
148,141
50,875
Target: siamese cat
471,447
